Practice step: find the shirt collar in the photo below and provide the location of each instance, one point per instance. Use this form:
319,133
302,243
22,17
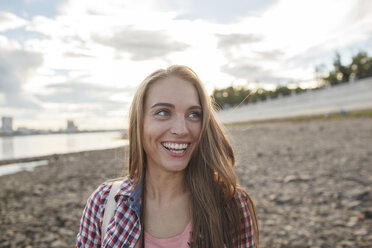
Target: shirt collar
129,189
132,193
137,191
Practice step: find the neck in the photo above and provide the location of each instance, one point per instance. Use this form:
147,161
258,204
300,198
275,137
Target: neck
164,186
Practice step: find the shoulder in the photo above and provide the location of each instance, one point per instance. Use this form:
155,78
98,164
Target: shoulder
99,197
101,192
241,197
126,186
247,218
244,202
90,224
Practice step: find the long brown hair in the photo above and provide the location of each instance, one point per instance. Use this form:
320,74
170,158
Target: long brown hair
209,176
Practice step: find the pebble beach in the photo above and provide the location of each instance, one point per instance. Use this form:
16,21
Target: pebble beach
311,182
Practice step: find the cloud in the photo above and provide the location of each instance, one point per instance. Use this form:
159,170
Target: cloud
219,11
243,70
360,11
16,66
76,55
229,40
235,45
291,41
10,21
99,99
142,44
270,54
280,42
250,71
2,98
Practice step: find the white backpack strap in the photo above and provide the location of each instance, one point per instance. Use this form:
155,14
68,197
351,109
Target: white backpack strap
109,209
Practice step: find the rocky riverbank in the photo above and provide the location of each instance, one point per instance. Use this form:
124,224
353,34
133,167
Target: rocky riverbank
311,182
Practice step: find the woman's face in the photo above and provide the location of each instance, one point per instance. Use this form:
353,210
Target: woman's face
172,124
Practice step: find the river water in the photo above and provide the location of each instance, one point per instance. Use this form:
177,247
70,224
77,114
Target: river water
40,145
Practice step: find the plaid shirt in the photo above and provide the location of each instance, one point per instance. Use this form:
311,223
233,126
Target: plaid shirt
124,229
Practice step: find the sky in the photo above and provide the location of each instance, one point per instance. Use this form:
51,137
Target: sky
83,59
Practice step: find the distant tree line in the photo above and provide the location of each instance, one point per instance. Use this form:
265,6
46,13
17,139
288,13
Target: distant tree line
360,67
233,96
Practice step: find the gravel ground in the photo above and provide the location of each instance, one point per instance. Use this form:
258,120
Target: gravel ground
311,182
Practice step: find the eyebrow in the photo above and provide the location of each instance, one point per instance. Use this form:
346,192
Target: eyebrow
172,106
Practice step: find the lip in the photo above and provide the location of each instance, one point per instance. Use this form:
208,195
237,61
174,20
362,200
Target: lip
176,155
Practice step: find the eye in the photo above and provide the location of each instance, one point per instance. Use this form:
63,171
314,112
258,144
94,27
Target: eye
195,115
162,112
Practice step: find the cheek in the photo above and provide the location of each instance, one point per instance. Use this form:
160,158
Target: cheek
195,130
146,141
151,134
146,137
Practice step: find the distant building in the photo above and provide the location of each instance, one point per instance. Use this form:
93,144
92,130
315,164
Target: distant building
7,124
24,131
71,127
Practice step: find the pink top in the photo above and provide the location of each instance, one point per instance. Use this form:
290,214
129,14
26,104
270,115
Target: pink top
179,241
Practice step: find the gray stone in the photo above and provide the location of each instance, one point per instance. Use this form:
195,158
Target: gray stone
58,244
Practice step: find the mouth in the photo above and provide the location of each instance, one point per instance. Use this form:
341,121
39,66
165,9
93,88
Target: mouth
177,148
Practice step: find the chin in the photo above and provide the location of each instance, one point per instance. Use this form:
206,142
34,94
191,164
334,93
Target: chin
176,167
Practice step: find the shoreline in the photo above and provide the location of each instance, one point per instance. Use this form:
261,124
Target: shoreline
44,132
48,157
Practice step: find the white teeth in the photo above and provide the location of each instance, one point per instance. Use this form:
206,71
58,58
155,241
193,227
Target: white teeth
175,146
178,152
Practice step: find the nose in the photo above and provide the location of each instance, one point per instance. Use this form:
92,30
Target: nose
179,126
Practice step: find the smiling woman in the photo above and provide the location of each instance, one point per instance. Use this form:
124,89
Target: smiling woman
181,190
172,124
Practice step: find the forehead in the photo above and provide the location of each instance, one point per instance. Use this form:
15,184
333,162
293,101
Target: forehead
172,90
